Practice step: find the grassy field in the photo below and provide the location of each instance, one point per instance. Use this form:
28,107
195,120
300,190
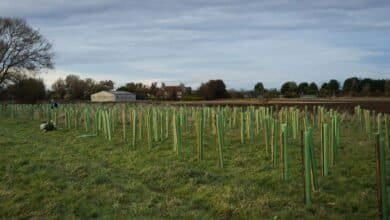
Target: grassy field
59,175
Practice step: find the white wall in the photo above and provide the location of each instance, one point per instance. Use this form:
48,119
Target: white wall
102,97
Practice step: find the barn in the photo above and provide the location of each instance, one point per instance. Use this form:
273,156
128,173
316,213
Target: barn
117,96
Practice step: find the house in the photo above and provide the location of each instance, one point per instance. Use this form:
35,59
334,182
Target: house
175,92
116,96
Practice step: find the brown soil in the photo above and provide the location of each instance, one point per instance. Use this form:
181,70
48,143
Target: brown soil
343,104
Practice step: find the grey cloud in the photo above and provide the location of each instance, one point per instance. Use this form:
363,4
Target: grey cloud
193,40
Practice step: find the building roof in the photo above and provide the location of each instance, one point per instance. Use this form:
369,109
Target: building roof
121,93
117,92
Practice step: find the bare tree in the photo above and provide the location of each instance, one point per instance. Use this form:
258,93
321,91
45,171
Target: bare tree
21,48
59,88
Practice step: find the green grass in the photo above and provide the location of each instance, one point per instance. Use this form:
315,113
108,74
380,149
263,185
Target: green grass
57,175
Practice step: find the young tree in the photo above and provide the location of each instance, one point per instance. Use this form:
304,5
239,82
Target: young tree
21,48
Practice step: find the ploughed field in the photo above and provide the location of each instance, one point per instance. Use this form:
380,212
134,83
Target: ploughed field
144,161
380,104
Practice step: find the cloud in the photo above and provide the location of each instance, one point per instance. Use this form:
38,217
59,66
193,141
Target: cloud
191,41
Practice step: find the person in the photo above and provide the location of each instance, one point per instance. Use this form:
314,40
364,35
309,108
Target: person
53,104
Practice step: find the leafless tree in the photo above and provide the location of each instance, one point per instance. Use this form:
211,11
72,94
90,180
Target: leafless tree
21,49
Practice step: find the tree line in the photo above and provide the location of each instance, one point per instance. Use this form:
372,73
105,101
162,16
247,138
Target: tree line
23,50
351,87
72,87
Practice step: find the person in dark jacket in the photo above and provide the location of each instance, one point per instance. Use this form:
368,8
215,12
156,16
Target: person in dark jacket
53,104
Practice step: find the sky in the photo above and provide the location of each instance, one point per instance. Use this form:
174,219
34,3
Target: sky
193,41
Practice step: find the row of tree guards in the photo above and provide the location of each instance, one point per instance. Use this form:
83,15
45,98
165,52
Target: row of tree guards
261,127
